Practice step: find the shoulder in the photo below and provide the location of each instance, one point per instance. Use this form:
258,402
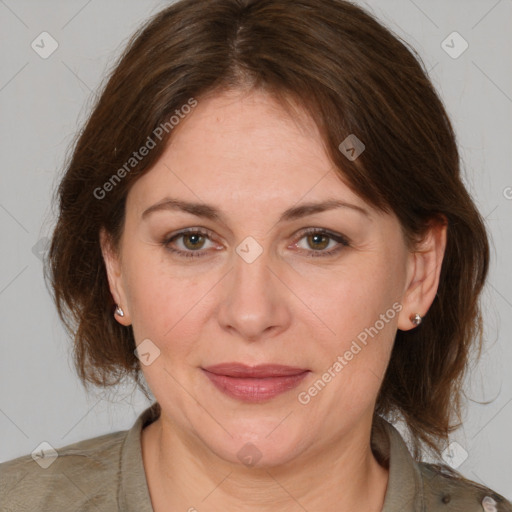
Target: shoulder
422,486
447,490
74,477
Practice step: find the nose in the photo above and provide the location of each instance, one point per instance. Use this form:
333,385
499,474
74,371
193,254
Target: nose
256,302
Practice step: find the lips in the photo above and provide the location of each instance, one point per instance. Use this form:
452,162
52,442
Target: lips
254,383
260,371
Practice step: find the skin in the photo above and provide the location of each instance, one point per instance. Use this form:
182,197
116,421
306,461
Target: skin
242,153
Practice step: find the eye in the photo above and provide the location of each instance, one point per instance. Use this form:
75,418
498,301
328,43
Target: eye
190,243
318,240
193,243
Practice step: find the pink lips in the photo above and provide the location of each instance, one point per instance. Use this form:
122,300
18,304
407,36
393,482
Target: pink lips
254,383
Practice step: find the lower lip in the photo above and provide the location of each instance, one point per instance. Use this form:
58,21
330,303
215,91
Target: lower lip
255,390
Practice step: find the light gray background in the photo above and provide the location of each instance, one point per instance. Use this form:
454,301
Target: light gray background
43,101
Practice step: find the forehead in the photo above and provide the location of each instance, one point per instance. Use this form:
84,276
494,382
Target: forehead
239,146
250,129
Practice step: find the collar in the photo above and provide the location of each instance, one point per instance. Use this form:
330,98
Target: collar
133,492
405,484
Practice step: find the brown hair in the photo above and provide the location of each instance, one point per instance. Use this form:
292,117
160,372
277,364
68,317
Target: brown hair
352,76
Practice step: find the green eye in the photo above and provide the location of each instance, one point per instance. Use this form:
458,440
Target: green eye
319,239
193,241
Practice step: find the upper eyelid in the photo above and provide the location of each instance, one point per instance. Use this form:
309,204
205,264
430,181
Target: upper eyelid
202,231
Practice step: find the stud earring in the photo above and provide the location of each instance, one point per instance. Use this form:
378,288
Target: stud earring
416,319
119,311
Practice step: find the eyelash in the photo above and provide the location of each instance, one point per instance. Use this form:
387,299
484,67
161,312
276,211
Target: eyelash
342,242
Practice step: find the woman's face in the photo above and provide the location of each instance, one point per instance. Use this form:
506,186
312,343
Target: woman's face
255,286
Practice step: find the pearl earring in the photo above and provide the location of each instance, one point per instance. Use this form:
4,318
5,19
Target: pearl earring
119,311
416,319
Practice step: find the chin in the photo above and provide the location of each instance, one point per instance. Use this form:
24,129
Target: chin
260,445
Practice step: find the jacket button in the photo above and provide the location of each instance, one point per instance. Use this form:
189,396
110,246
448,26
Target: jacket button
446,499
489,504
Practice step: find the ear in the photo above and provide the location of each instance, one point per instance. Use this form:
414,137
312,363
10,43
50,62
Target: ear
424,270
115,281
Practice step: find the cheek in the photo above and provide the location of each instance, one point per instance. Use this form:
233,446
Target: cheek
360,306
354,359
352,297
166,302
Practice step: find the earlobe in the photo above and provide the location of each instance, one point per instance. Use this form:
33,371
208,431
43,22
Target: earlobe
113,268
423,280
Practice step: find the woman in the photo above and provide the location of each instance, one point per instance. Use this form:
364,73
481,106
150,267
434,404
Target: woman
264,219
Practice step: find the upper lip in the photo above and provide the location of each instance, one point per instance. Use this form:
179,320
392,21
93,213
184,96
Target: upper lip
259,371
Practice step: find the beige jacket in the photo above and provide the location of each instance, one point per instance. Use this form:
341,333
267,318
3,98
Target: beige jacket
106,473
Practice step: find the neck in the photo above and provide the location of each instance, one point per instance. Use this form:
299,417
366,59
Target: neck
343,475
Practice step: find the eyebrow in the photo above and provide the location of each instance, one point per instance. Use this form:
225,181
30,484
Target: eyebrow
211,212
